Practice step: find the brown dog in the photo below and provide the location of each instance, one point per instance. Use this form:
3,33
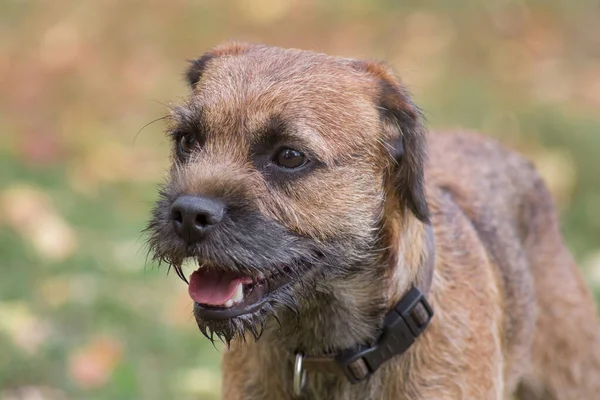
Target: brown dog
300,184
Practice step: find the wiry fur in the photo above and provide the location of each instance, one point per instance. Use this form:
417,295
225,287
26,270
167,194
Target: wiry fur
511,311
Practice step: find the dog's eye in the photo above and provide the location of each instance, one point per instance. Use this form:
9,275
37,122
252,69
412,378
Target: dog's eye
186,144
290,158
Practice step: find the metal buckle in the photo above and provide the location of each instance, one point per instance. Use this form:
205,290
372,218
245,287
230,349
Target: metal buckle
299,375
400,331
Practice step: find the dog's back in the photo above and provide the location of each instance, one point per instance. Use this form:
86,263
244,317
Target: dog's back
550,335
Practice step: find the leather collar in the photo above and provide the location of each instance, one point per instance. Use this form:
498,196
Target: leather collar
401,327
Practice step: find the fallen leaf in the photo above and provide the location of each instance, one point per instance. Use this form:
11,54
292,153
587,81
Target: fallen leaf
80,288
30,212
199,381
92,365
22,326
33,393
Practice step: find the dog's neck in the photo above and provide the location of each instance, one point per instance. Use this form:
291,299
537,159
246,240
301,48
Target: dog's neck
336,322
339,320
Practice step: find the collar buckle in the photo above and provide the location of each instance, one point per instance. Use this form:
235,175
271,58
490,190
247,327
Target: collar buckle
401,327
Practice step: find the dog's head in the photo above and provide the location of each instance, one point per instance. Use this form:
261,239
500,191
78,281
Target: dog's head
292,175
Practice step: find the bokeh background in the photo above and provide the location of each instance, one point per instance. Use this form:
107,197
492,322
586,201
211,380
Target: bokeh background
82,314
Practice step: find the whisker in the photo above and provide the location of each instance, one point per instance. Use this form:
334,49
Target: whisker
146,125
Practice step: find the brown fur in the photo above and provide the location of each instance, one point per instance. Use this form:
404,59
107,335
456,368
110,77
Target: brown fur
512,314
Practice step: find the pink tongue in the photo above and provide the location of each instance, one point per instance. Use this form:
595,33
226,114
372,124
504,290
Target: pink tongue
212,287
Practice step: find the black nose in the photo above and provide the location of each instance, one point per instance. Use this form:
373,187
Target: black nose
194,216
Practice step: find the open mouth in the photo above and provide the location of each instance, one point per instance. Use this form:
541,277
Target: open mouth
219,294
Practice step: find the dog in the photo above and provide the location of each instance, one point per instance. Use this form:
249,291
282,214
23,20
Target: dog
344,252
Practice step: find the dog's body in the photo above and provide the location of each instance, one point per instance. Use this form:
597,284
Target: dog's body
512,313
511,308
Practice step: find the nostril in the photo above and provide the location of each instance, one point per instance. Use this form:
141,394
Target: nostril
177,216
201,220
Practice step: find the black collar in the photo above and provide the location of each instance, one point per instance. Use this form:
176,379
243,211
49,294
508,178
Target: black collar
401,327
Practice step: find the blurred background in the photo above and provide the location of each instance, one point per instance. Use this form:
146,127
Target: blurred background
82,314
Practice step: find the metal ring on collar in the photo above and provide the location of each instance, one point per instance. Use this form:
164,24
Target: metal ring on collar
299,375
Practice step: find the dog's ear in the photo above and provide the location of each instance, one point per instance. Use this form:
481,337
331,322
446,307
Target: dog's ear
197,66
404,136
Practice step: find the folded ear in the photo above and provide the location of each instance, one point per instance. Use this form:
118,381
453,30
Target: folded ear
197,66
404,136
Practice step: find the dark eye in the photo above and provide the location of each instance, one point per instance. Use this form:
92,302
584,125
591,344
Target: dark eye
290,158
186,144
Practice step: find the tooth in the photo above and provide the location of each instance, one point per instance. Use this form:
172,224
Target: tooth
228,303
238,295
261,276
